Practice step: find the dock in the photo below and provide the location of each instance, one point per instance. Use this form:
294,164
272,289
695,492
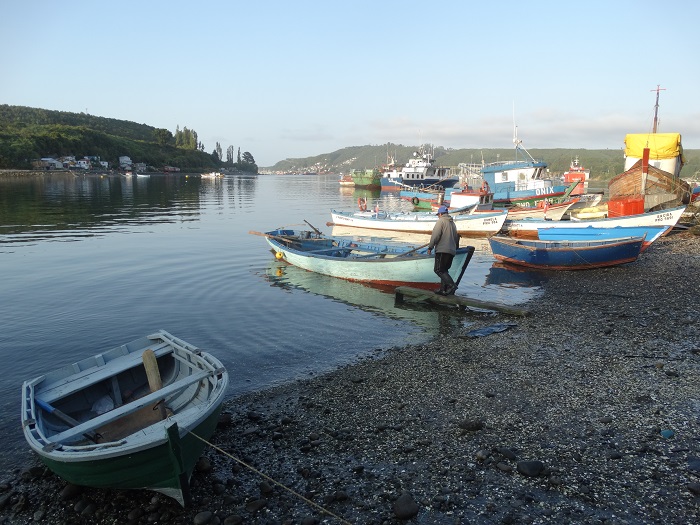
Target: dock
455,300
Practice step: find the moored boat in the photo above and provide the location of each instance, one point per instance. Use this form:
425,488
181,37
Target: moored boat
543,210
419,171
346,180
382,264
579,174
566,255
587,233
481,224
129,418
368,178
528,228
521,181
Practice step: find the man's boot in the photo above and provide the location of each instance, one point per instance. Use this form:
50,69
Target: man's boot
450,287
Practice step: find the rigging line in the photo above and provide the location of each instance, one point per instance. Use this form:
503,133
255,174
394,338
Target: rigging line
250,467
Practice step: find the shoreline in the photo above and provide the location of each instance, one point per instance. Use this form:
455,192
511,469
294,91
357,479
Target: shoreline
586,411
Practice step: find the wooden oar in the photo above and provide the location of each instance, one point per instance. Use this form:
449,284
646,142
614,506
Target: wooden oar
276,237
314,227
413,250
46,407
154,381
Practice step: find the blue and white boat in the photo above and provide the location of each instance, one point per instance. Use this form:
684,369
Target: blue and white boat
520,182
529,228
419,171
477,224
589,233
566,255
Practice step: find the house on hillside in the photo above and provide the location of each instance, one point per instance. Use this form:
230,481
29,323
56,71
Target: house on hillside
125,163
47,163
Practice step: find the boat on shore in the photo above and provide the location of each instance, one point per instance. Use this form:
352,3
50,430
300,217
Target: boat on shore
212,175
481,224
649,233
528,228
651,177
544,210
381,264
129,418
566,255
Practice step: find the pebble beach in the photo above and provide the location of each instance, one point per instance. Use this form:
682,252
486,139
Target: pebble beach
586,411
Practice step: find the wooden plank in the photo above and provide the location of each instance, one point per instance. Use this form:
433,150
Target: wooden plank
455,300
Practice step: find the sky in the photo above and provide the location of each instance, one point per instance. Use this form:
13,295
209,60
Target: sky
298,78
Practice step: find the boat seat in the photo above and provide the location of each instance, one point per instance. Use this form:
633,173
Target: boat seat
334,249
93,375
131,407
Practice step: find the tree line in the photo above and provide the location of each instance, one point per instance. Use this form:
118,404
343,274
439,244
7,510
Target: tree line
28,134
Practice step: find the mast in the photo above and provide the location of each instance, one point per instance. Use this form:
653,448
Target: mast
656,106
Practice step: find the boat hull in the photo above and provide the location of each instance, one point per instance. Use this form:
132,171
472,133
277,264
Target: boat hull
566,255
650,233
481,224
150,468
552,212
528,228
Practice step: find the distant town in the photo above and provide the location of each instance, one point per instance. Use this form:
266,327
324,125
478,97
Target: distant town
92,162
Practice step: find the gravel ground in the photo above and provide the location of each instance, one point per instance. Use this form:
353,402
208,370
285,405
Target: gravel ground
586,411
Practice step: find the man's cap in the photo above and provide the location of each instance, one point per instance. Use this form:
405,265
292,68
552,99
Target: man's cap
441,210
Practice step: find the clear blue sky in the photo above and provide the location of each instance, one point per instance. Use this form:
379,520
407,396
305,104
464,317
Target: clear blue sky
296,78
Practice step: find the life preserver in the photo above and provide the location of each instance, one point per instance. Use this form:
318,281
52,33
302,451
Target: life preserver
485,187
415,201
362,203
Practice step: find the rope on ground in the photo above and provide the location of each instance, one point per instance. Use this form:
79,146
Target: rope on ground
291,491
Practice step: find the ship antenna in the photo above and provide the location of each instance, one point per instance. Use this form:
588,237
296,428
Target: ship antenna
656,106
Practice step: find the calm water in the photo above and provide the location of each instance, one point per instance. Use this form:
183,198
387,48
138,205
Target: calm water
91,262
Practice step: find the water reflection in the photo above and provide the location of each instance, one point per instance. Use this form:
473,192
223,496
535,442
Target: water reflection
363,296
66,206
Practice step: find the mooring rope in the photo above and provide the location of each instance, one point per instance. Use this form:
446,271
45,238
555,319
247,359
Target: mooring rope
291,491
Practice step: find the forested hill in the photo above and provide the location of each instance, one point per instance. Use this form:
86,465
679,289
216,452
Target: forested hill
28,134
603,164
21,116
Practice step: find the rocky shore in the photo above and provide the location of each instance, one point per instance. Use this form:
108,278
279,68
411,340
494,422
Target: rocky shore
587,411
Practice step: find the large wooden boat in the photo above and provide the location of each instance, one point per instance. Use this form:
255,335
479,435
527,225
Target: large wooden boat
651,180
